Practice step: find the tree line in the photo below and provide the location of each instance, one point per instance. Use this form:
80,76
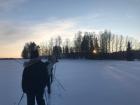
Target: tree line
89,45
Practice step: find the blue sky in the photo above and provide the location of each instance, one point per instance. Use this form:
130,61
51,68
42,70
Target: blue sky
38,20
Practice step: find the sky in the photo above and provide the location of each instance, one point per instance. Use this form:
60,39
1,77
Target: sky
23,21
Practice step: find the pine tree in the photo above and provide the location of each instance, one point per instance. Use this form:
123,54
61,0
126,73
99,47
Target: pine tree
30,50
57,51
24,53
129,54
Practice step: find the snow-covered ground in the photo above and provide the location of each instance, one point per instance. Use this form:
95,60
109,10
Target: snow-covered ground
86,82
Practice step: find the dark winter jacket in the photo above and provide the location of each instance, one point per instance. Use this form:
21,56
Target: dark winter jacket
35,77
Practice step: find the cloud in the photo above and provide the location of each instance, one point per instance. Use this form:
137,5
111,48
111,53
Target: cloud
54,28
9,4
11,32
13,35
14,32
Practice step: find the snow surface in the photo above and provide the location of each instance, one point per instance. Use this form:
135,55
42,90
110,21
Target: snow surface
86,82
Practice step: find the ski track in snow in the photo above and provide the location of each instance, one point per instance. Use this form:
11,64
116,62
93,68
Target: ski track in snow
86,82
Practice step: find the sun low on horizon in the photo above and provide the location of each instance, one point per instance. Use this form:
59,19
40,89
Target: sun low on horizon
22,21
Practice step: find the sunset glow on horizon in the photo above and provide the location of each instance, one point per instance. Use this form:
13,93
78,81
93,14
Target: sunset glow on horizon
23,21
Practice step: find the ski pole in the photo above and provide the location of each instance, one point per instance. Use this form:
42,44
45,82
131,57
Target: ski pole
46,98
18,61
60,84
57,80
20,99
54,70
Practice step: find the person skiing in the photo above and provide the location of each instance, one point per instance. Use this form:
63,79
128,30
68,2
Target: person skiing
34,80
49,64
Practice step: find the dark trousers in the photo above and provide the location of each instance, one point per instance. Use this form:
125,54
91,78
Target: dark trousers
38,96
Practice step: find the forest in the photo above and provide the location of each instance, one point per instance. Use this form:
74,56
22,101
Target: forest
88,45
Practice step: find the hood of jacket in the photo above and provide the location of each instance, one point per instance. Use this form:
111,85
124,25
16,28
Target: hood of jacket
31,62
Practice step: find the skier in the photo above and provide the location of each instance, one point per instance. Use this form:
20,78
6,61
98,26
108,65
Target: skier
34,80
49,64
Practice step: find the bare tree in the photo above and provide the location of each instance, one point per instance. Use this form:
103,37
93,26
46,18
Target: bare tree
112,42
58,41
120,43
78,41
50,46
116,42
43,49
